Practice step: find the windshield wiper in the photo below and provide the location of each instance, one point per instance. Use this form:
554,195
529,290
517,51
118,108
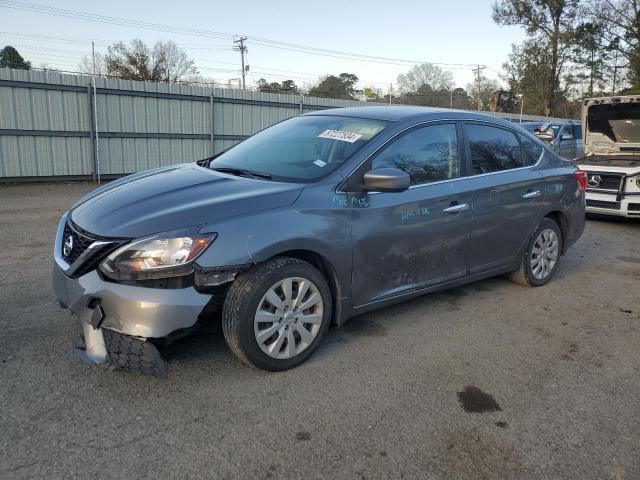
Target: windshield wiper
242,172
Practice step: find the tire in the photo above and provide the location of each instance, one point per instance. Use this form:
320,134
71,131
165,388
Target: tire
246,303
133,354
526,274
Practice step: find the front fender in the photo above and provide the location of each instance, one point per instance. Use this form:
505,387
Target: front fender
254,238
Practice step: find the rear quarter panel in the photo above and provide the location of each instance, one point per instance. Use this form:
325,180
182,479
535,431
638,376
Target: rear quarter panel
562,194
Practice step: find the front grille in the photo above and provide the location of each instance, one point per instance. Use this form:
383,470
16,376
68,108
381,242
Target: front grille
603,204
635,207
79,243
603,181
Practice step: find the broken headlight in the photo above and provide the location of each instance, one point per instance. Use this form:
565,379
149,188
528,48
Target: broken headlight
158,256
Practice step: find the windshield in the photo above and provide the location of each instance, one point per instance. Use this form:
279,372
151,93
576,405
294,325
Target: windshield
302,148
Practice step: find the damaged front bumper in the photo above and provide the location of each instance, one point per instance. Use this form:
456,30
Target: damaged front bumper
118,320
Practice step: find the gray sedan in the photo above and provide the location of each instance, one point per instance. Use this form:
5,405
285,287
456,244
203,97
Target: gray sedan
307,223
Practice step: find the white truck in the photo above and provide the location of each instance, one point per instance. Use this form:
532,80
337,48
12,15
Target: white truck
611,131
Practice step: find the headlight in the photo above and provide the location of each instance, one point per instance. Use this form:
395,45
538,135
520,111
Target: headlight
157,256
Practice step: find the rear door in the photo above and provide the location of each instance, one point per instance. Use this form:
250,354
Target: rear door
404,241
567,147
507,191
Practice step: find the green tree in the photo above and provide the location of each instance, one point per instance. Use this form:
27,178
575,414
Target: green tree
342,86
528,73
550,23
589,52
619,23
10,58
166,62
287,86
461,99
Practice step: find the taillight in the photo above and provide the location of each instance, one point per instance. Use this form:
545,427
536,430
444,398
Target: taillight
582,179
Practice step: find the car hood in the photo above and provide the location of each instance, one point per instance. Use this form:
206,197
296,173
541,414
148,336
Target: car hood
175,197
611,125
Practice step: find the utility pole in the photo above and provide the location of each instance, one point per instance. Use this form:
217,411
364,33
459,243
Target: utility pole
521,106
615,73
95,111
451,99
390,90
477,72
243,49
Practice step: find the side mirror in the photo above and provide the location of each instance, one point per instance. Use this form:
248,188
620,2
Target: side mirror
386,180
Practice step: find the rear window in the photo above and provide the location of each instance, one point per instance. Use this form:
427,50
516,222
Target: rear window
532,150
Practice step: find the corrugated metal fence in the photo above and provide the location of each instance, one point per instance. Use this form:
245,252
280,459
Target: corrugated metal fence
47,126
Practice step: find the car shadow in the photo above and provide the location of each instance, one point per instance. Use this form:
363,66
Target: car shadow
207,348
612,219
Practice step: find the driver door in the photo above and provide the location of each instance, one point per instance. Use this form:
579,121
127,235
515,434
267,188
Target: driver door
404,241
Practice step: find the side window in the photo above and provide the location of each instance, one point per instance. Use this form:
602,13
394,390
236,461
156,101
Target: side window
566,130
427,154
532,150
493,149
577,131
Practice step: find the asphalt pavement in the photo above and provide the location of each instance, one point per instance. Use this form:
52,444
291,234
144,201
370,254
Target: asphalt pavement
492,380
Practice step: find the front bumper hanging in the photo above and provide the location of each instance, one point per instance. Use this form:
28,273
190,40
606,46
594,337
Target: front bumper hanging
122,351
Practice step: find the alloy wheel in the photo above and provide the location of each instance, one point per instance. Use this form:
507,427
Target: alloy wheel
288,317
544,254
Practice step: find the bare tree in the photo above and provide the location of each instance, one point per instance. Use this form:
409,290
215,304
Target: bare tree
86,65
174,62
166,62
487,87
425,74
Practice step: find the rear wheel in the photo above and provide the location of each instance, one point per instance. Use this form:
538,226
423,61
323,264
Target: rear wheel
276,314
542,257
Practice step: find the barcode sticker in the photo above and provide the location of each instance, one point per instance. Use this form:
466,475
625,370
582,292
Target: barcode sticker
340,135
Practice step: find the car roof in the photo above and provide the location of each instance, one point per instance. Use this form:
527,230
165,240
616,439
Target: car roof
395,113
552,122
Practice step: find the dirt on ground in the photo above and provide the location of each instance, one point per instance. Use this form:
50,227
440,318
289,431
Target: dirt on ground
491,381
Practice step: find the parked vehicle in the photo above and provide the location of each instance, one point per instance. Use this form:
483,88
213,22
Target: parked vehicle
564,138
612,155
312,221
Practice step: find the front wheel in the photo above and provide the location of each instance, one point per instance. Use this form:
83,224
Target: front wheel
275,315
542,257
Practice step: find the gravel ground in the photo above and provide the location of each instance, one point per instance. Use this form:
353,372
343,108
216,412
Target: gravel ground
557,368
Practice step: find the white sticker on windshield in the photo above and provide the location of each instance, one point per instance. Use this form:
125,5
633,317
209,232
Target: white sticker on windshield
340,135
320,163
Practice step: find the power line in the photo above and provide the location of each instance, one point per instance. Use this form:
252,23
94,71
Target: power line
265,42
106,43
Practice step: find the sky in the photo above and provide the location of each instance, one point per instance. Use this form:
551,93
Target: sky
453,32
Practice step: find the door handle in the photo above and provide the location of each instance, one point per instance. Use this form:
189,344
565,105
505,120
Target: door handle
532,194
458,207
